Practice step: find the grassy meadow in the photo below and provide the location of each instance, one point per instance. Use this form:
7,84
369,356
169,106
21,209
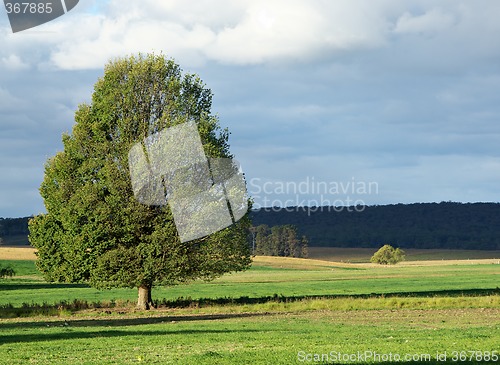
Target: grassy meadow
281,311
358,255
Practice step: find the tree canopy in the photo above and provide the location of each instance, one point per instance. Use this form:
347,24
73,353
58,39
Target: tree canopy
278,241
95,230
388,255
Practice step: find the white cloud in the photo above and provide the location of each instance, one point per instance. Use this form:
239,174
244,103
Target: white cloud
13,63
294,30
251,33
240,33
375,89
429,23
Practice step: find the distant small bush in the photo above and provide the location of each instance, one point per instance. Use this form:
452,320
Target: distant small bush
388,255
6,272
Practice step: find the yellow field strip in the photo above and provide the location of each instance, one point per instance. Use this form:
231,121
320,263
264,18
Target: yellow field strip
449,262
293,263
17,253
28,253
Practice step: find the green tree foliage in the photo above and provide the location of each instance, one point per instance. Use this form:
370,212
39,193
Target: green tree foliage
279,241
95,231
304,249
6,272
388,255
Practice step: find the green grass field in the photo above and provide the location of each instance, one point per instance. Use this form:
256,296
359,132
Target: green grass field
272,338
262,281
341,254
281,311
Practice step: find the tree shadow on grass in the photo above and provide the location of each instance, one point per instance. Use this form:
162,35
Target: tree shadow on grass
119,322
188,302
42,285
68,334
36,309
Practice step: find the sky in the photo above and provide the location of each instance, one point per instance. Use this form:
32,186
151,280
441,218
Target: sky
340,102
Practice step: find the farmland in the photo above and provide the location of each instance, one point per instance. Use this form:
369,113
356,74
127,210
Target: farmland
281,311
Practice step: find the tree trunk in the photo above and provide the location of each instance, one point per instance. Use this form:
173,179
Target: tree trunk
144,302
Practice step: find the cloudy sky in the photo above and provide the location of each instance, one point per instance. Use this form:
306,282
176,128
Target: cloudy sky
375,101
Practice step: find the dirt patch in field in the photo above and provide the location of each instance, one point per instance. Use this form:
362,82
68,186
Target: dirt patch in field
411,318
428,318
17,253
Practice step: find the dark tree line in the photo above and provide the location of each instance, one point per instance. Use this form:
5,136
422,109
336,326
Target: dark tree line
472,226
446,225
278,241
10,227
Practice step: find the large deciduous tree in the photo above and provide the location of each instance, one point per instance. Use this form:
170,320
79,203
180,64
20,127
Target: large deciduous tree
95,230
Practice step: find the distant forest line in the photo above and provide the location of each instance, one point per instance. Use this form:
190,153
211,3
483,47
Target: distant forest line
446,225
14,227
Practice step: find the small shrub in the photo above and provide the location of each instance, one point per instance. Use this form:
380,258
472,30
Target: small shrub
6,272
388,255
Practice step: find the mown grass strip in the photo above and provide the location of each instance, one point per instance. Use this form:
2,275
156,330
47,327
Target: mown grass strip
276,303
